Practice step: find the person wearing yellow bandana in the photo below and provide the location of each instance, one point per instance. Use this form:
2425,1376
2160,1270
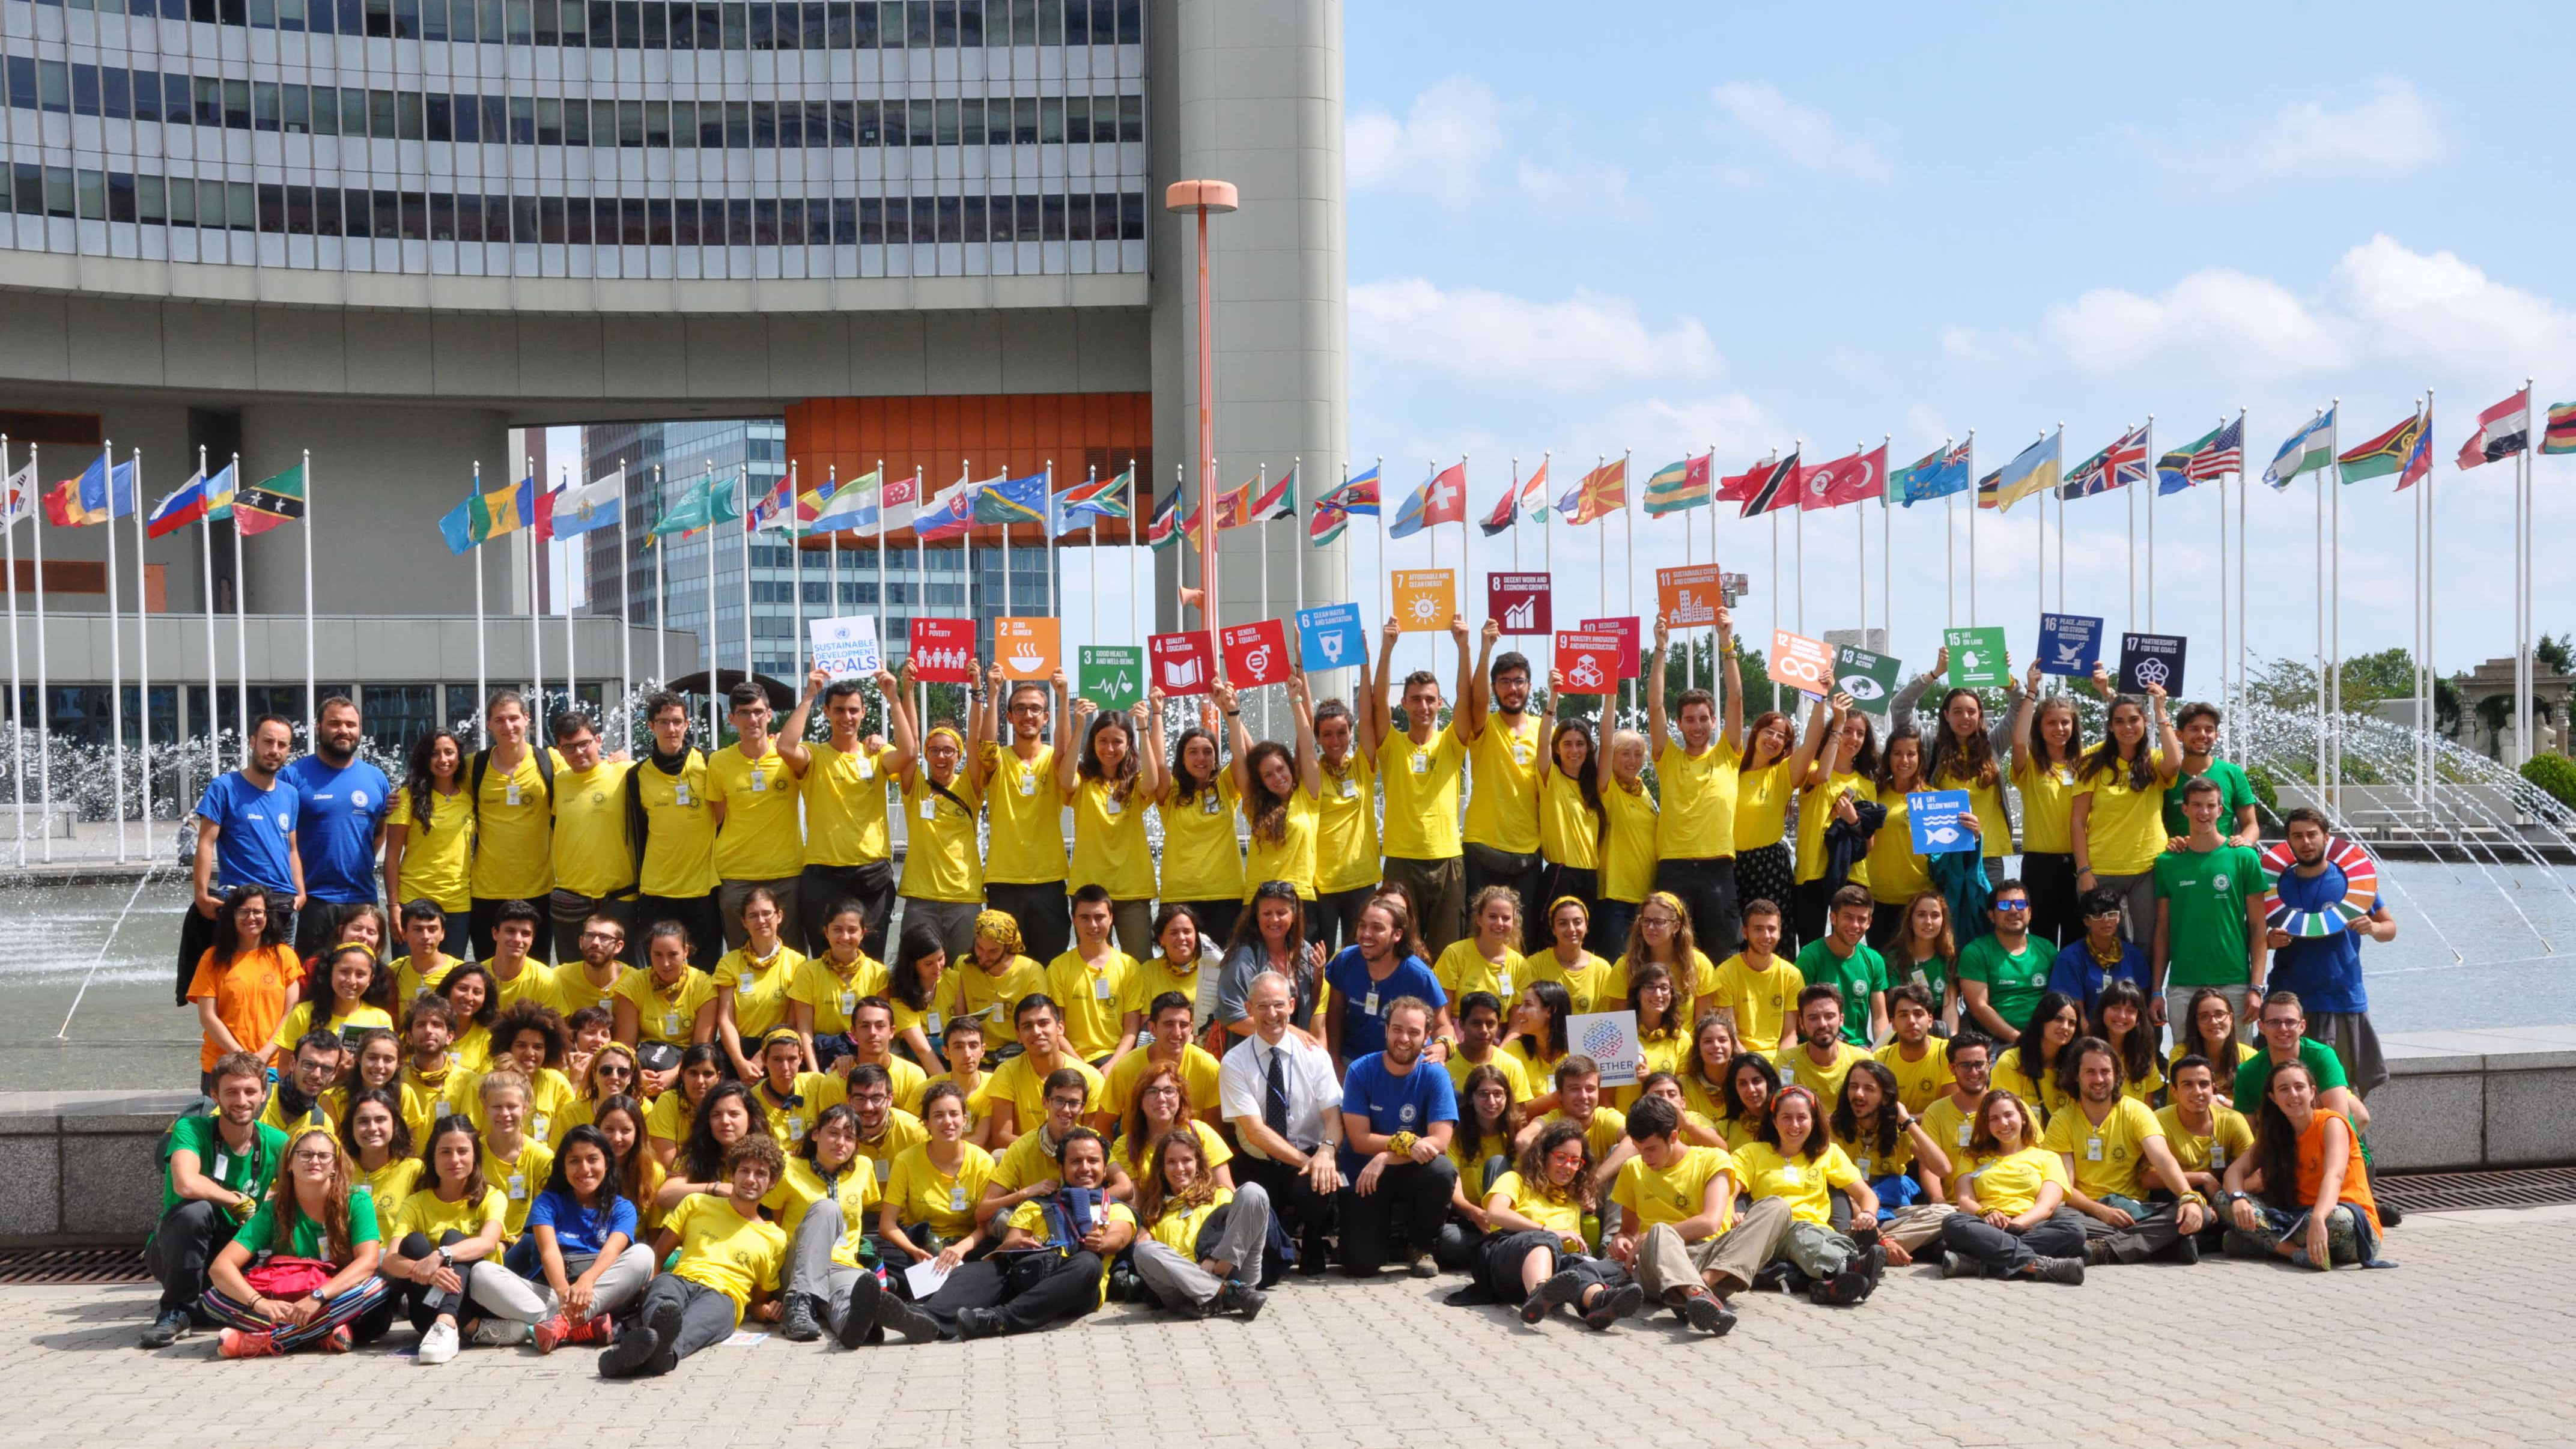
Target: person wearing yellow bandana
1697,770
668,1004
753,792
943,798
1421,766
1024,865
849,855
989,977
676,832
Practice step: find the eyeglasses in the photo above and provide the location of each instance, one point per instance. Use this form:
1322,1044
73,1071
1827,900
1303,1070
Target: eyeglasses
317,1157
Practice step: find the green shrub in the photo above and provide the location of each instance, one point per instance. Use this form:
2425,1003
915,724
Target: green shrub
2555,774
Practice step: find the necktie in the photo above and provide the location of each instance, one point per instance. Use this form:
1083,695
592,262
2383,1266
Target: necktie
1274,1105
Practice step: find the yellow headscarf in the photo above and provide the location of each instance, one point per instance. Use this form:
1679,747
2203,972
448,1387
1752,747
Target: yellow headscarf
1001,929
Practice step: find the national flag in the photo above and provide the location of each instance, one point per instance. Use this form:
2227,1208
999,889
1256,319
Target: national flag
2419,459
897,501
592,505
1680,485
2119,465
483,517
772,511
1735,488
1988,487
687,516
1165,524
220,490
2174,470
277,499
2034,470
67,502
1098,497
1505,511
1442,498
949,514
2384,454
1358,496
1328,523
2561,434
1602,492
1534,494
119,498
851,507
1936,474
1280,502
181,508
1008,501
2219,457
1845,480
18,495
2310,447
1772,486
2503,430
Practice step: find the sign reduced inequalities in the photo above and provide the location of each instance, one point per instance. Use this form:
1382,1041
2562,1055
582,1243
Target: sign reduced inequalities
1113,675
1803,663
1181,662
2069,644
2151,659
943,651
1626,629
1689,595
1976,657
1518,602
847,648
1933,816
1870,679
1329,637
1255,653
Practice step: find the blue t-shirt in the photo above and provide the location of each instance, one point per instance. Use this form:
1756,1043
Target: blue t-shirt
252,824
579,1229
1364,1026
336,815
1392,1104
2075,973
2324,970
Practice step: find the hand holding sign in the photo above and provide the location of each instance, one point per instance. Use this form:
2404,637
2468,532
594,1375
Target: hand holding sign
847,648
2155,659
1977,659
1025,648
2069,644
1803,663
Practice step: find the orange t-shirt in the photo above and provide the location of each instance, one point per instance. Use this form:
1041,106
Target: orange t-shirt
249,993
2312,1165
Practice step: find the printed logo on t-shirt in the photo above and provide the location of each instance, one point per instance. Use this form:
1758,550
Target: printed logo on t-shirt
1404,1113
2218,882
358,798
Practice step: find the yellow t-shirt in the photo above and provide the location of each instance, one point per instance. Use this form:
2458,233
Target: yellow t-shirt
1152,977
679,831
903,1131
592,855
568,988
2047,806
551,1099
2226,1069
2111,1158
323,1113
790,1121
845,805
1178,1227
437,857
1030,1217
1762,807
2009,1076
1919,1083
2230,1137
1421,795
1291,857
1583,983
1346,849
1698,821
1557,1214
1815,809
854,1193
721,1249
665,1013
299,1020
1515,1074
1538,1071
518,1180
419,1112
921,1193
976,1098
1502,809
1109,848
941,860
759,989
2010,1183
1761,1000
1090,994
512,831
1201,859
1027,812
1674,1194
1687,985
1802,1182
1986,800
2126,830
1213,1153
1895,871
1864,1154
531,982
903,1075
1629,857
390,1185
1024,1087
760,838
411,982
1604,1132
1825,1081
833,997
1950,1127
970,990
1199,1069
1569,829
670,1117
425,1213
1462,968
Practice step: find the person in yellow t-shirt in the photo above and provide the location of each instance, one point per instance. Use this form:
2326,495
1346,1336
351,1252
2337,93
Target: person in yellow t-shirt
886,1131
1899,1156
1420,767
1896,874
1346,848
474,1001
1165,1042
676,875
790,1099
429,834
1571,824
1195,792
1565,959
516,973
753,791
510,783
928,1210
1755,988
593,855
833,981
1777,762
1534,1249
530,1038
2118,820
1108,783
1501,838
1077,1253
1089,980
1628,842
1017,1096
2047,750
340,1008
1579,1100
2010,1192
751,981
872,1045
669,1002
1821,1059
1489,1120
2114,1149
424,964
1536,1038
589,979
2120,1018
1480,1044
943,799
1158,1108
1964,749
963,1047
380,1146
732,1262
1796,1161
445,1232
2029,1067
513,1160
1661,932
1919,1060
988,981
1278,790
1488,959
2204,1130
1177,1199
1714,1046
1663,1031
1024,864
1697,771
849,853
1846,768
1678,1230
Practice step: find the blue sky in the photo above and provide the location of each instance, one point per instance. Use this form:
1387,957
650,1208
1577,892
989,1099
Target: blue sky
1663,226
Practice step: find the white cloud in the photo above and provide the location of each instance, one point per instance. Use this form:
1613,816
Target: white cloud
2393,133
2232,321
2438,306
1600,192
1584,342
1440,146
1801,135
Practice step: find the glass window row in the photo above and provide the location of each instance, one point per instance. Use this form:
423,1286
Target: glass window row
117,94
655,25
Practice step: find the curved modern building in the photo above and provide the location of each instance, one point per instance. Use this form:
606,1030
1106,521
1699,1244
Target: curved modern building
921,232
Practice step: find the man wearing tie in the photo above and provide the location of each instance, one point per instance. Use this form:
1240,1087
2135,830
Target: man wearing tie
1278,1089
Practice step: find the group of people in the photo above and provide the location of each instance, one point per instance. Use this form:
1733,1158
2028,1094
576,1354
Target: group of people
1326,1018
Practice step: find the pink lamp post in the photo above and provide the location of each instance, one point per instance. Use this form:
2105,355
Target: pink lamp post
1203,197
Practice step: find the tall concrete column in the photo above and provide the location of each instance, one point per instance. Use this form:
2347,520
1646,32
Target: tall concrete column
382,475
1252,94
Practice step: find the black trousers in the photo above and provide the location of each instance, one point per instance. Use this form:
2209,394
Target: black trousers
425,1303
1304,1215
698,913
1043,910
823,888
186,1240
1070,1288
197,936
1525,875
1334,919
2055,914
1707,889
1809,903
1410,1196
2002,1252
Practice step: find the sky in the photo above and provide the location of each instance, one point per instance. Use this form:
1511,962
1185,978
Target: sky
1665,227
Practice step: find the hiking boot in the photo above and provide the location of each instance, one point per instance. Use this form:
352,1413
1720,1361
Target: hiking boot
2390,1215
1242,1299
1960,1265
2097,1253
2069,1271
1536,1305
978,1323
1613,1304
1876,1267
2186,1249
243,1343
901,1315
1773,1274
1845,1289
631,1353
166,1328
1421,1266
1707,1312
797,1324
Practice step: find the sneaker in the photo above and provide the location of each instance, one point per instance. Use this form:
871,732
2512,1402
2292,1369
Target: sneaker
553,1331
439,1344
1563,1287
1421,1266
2390,1215
1960,1265
2186,1249
1707,1312
501,1333
2069,1271
1536,1305
1773,1274
978,1323
242,1343
167,1328
798,1324
1613,1304
1876,1267
903,1316
1242,1298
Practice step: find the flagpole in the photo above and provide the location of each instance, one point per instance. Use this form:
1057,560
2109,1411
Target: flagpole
572,655
1051,606
750,664
536,641
2227,725
2112,467
2061,519
625,622
115,653
1775,607
1136,508
2244,482
1261,545
795,574
1950,551
1600,548
143,644
1976,506
1798,540
1515,496
715,696
1297,525
1546,555
482,691
2321,618
9,504
1091,534
2334,598
661,596
2154,483
44,710
2427,714
832,559
2522,672
1860,541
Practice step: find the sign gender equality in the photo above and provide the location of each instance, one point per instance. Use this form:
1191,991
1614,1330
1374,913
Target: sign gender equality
1255,653
1425,600
1804,663
1519,602
1626,629
1329,636
1689,595
943,651
2069,644
2151,659
1027,648
1181,662
1870,679
1976,657
1112,675
846,648
1933,815
1589,660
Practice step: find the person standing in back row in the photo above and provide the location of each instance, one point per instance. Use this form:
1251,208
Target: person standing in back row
512,785
245,836
1503,750
1024,866
594,846
849,855
751,792
1695,835
1419,766
341,802
674,833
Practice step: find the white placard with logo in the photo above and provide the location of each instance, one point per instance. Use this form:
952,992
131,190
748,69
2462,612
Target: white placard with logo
847,648
1610,1038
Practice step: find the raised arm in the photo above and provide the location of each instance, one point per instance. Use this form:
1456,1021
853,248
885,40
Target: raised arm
2168,741
1152,777
1734,673
1301,709
984,719
1657,735
899,723
1475,691
1381,718
2025,706
1469,675
1367,727
1229,727
1068,753
1822,720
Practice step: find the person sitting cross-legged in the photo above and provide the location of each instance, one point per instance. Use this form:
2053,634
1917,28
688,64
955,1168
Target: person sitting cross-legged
1679,1231
1398,1112
2012,1220
1201,1249
1053,1262
2112,1147
302,1272
215,1170
730,1262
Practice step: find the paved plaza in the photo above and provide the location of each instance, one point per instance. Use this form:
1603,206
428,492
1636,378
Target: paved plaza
2466,1344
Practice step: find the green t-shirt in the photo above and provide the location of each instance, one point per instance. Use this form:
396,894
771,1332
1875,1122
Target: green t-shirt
2252,1072
242,1173
1855,977
2234,790
304,1235
2014,981
2206,894
1932,971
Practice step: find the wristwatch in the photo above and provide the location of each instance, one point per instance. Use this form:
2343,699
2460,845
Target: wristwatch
317,1295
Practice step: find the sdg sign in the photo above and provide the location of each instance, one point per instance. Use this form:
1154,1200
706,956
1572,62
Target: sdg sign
1870,679
2069,644
1519,602
1689,595
1255,653
846,648
1804,664
2151,659
943,651
1976,657
1329,636
1182,664
1933,816
1113,675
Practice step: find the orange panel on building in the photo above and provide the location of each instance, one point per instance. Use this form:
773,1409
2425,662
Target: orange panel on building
978,436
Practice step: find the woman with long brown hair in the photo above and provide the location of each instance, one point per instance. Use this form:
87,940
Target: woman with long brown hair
1282,799
2303,1193
1572,826
302,1271
2047,753
2012,1220
1534,1249
2118,819
1778,759
1200,1249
